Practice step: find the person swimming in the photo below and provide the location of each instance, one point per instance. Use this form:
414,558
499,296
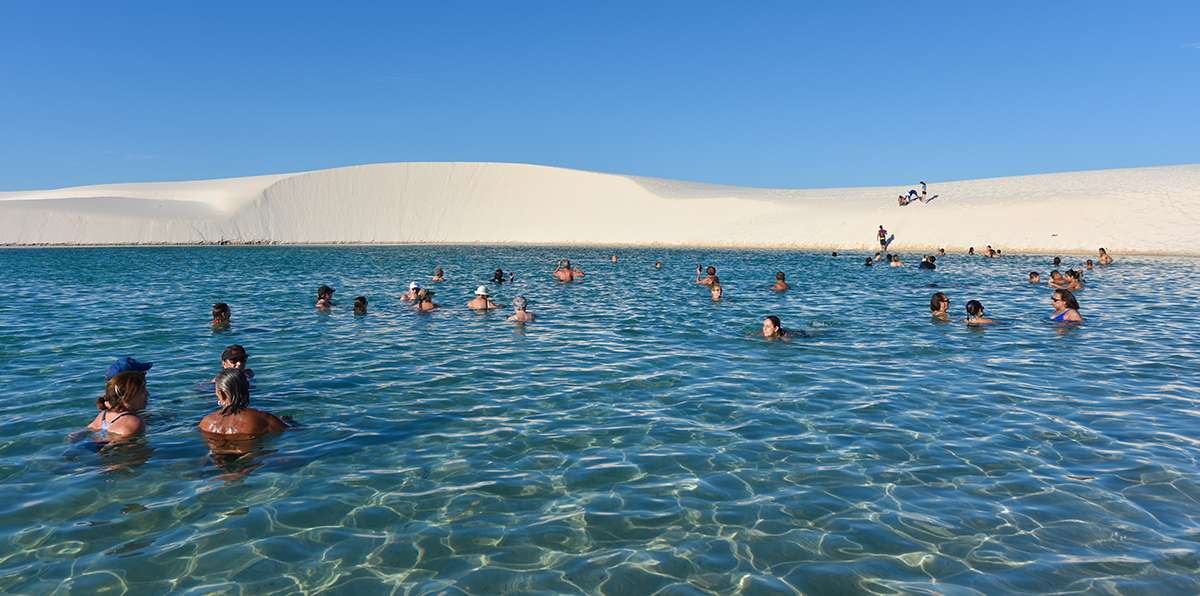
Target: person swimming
939,307
928,262
521,315
236,417
781,284
1104,259
772,328
1074,280
878,256
1057,280
869,262
1066,308
481,301
235,356
125,396
411,294
424,301
896,262
438,274
1035,277
1057,262
941,252
710,278
613,259
220,315
498,277
360,305
658,264
716,291
325,297
975,314
1089,265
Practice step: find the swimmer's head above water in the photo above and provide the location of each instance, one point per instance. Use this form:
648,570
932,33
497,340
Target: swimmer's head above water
220,313
773,327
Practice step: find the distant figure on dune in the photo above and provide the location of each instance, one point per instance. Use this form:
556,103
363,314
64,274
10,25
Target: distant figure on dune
1104,258
1035,277
360,305
716,291
411,294
481,300
220,316
521,315
236,417
711,277
325,297
781,284
975,314
438,274
772,328
939,307
424,301
1066,308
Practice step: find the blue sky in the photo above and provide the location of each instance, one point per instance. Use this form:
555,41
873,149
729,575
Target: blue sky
780,94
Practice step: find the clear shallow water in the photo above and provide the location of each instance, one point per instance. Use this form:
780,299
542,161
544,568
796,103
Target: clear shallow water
637,438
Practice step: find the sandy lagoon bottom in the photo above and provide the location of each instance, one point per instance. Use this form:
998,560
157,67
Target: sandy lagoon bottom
636,439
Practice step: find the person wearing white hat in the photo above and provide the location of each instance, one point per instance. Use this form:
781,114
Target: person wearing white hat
482,301
411,294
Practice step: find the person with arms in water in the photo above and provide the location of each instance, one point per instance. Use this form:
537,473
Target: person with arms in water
1089,265
498,277
939,307
236,417
220,316
658,264
1035,277
438,274
927,262
235,356
716,292
521,315
781,284
1066,308
1057,280
360,306
772,328
1074,280
325,297
424,302
125,396
870,262
711,277
481,301
975,314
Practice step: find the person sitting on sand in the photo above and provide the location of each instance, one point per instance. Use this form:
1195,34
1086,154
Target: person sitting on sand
325,297
438,274
902,200
1035,277
498,277
220,316
1057,281
711,277
772,328
521,315
1066,308
781,284
125,395
360,305
939,307
411,294
481,300
235,356
1104,259
975,314
716,291
424,302
236,417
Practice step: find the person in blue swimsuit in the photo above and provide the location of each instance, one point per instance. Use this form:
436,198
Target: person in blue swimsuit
125,395
1066,308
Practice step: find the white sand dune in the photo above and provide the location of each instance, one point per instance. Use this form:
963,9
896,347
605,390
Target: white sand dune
1140,210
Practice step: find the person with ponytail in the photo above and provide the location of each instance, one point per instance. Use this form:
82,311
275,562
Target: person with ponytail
236,417
124,397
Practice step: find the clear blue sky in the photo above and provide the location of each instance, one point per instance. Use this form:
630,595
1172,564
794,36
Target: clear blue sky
785,94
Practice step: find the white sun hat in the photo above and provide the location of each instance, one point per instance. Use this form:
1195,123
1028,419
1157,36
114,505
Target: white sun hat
481,291
414,286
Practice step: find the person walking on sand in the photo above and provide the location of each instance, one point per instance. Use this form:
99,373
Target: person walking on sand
882,238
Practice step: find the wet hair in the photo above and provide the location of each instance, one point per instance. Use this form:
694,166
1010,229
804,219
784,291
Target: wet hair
1033,274
974,308
715,288
776,322
233,383
936,301
779,275
834,254
120,389
220,312
876,254
234,353
423,295
1067,297
1089,262
711,270
360,304
324,292
1055,272
1102,250
932,259
438,271
870,261
1057,261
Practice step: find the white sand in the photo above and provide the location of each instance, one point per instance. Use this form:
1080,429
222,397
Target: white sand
1141,210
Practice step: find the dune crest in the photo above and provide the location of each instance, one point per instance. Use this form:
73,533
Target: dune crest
1138,210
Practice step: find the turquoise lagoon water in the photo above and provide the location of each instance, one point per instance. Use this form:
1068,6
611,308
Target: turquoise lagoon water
638,438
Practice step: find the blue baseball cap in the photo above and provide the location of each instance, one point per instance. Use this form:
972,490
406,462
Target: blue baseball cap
126,364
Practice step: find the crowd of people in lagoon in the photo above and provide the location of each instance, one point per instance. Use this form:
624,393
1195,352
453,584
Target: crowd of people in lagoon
126,395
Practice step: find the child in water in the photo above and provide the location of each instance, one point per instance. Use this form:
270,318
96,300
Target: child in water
236,417
716,291
125,395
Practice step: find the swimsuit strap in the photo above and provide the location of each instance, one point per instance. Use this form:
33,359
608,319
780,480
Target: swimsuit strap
120,416
104,421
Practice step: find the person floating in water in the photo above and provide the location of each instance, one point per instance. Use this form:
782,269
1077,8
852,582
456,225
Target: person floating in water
1066,308
781,284
411,294
438,274
1104,259
481,301
360,305
710,278
772,328
235,356
1035,277
325,297
975,314
220,316
125,396
716,291
236,417
424,302
939,307
521,315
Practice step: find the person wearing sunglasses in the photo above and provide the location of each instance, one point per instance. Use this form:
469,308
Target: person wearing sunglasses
1066,308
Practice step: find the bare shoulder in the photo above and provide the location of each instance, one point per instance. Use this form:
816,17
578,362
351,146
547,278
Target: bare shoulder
131,424
266,422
